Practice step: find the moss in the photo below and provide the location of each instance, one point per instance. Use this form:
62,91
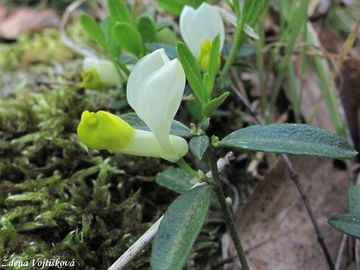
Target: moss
57,199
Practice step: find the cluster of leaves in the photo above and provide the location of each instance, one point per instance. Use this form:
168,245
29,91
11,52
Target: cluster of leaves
120,30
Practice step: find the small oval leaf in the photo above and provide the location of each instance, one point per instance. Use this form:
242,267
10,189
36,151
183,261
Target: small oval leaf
179,228
198,145
175,179
129,38
295,139
147,29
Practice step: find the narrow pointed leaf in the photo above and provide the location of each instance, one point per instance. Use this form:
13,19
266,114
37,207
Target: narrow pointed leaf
192,70
215,103
213,66
296,139
179,228
198,145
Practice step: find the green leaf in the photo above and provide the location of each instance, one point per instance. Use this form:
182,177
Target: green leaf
198,145
296,139
147,29
191,69
253,10
169,50
349,223
93,30
119,11
175,179
113,49
175,6
129,38
213,66
346,223
179,228
215,103
177,128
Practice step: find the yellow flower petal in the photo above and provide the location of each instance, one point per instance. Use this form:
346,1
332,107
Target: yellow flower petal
104,131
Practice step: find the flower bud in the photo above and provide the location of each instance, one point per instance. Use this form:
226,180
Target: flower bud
197,26
98,74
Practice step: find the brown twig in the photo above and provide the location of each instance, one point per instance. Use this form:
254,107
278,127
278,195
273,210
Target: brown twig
70,43
294,176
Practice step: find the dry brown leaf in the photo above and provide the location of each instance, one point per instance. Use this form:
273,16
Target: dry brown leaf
312,106
274,226
27,19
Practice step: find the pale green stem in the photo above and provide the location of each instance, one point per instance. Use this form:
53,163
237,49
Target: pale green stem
238,39
186,167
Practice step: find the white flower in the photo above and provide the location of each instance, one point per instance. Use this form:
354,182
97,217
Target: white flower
197,26
97,72
154,90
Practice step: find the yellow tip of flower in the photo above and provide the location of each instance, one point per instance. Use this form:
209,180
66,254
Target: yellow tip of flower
91,79
89,118
205,47
104,131
204,56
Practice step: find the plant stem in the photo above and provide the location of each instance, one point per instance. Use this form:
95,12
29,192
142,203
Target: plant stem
238,39
225,209
186,167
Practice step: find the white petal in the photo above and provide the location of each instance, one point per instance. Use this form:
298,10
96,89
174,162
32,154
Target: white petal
198,25
143,69
159,99
106,70
188,30
145,144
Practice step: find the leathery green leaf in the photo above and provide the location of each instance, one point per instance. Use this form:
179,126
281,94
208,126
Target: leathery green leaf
296,139
179,228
